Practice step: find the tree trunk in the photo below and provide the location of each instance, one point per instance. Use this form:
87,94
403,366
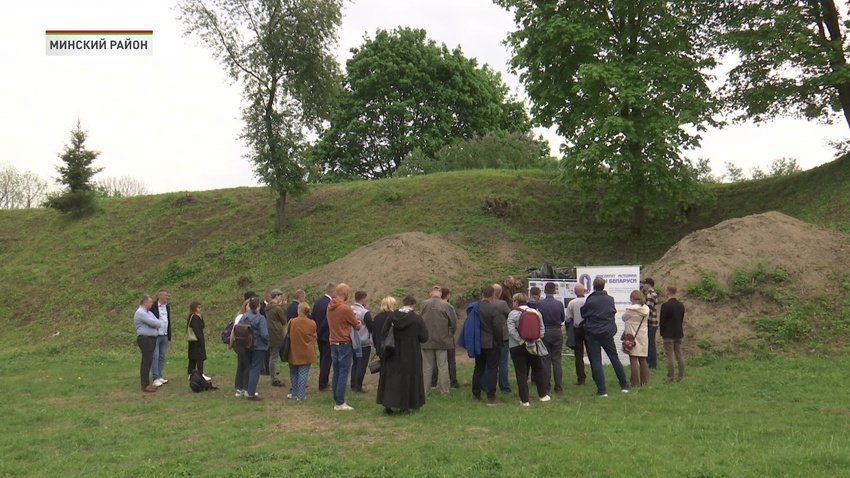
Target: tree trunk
638,219
837,59
280,207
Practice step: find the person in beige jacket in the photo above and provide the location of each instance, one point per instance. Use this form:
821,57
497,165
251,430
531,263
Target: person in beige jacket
635,318
440,320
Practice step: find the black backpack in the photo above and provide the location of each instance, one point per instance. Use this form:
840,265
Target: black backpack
198,383
243,335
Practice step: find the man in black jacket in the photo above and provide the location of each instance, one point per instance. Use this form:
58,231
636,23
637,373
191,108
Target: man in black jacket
493,319
323,335
670,323
162,310
599,313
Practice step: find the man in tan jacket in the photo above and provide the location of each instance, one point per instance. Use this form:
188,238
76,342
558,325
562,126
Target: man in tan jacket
440,320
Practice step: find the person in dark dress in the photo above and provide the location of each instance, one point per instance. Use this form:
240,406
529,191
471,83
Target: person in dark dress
401,384
197,349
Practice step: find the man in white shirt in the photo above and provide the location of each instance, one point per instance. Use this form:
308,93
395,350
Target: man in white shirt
162,310
575,321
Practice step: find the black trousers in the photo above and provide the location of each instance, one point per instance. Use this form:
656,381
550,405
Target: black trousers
243,368
196,364
146,345
522,362
324,363
486,363
358,367
581,376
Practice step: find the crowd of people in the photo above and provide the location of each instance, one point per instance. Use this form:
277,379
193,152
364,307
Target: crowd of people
414,344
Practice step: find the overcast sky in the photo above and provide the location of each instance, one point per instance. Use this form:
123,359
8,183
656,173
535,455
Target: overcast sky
172,118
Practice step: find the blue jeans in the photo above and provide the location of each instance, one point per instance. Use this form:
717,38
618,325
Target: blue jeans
257,358
159,356
595,345
341,356
504,359
652,357
504,382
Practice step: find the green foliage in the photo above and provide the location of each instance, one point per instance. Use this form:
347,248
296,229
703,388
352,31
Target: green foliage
701,171
78,195
794,325
707,288
174,274
741,282
490,151
282,54
76,203
745,281
734,173
792,60
610,76
403,93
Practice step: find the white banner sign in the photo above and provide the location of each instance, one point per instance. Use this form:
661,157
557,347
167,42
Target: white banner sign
620,281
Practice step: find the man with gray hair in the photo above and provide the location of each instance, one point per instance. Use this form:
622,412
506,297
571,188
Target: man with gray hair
440,320
575,323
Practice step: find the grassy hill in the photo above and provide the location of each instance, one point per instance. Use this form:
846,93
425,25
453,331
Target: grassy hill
83,278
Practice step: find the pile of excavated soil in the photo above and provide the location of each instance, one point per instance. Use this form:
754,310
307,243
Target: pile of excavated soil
807,252
411,263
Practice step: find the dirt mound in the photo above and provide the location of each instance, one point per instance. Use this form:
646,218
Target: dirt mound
408,263
806,252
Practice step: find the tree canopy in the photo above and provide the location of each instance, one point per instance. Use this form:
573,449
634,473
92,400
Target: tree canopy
281,53
625,81
792,59
78,196
403,92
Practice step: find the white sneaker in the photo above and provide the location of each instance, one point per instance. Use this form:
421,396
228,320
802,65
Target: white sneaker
545,398
164,381
158,382
344,406
288,395
208,379
625,390
241,393
524,404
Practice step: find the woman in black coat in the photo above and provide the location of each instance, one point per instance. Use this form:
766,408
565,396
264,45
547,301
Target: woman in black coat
197,348
401,384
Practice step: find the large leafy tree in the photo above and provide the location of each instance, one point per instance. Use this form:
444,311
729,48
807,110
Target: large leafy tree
403,92
792,59
625,81
78,194
280,51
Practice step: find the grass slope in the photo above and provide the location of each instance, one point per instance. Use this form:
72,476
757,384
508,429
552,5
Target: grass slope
82,278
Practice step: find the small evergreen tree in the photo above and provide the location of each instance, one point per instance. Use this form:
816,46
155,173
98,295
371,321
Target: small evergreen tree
78,194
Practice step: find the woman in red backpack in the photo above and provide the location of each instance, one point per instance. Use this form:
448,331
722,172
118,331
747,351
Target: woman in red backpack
526,353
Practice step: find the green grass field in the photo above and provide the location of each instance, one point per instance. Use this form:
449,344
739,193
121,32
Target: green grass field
70,365
75,414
